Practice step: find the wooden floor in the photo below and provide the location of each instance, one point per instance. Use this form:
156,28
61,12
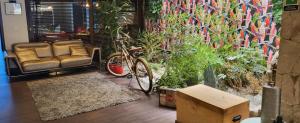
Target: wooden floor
17,106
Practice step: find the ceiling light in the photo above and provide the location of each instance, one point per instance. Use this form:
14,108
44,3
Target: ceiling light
87,5
50,8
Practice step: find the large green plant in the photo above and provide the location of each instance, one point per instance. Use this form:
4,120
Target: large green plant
108,15
151,43
188,62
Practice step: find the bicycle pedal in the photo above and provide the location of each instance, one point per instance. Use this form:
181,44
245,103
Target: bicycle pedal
129,76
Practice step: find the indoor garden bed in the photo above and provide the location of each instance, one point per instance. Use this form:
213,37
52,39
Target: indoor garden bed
237,39
229,44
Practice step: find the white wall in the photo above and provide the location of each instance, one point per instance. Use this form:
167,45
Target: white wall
14,26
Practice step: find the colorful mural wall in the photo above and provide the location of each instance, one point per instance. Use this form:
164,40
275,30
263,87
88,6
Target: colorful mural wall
242,23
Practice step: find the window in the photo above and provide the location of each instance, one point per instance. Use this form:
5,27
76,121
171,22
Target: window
57,19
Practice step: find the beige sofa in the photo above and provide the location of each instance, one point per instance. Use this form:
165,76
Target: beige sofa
37,57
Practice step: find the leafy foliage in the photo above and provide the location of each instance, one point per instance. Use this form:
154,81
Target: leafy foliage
230,29
108,16
175,28
238,64
151,42
188,62
277,10
221,34
153,9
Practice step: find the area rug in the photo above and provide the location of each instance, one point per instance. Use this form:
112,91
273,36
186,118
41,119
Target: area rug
62,96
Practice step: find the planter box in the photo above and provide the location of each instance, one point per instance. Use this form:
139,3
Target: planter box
167,97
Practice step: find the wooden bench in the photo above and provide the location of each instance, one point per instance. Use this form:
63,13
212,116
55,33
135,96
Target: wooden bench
203,104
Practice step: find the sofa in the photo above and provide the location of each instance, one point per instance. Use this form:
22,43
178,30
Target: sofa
59,55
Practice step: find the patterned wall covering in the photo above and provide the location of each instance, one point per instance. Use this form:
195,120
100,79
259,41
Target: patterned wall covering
242,23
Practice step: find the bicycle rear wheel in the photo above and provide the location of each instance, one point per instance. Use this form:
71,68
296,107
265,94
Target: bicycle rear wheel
143,75
116,65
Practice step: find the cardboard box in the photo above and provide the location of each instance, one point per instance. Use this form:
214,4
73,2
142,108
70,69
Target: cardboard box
203,104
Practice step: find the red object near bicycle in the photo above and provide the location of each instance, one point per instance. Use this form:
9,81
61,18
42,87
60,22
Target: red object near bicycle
116,68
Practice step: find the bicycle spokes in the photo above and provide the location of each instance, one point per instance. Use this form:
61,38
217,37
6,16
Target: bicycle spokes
118,66
142,75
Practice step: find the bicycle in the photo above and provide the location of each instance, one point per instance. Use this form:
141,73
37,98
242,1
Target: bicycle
128,62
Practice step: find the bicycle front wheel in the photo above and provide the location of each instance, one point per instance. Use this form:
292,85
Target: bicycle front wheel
143,75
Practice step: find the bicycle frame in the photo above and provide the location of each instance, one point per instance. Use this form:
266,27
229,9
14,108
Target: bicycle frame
136,66
128,58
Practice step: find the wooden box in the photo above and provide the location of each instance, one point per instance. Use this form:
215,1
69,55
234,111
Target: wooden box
203,104
167,97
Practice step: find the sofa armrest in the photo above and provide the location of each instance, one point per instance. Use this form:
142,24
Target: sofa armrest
10,55
92,50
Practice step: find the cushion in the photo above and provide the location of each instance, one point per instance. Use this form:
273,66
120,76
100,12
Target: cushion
43,51
26,45
73,61
60,50
42,64
27,55
78,51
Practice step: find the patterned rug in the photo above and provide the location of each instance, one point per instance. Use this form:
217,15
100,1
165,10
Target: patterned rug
62,96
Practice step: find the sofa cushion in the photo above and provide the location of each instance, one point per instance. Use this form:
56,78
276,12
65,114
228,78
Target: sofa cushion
63,47
73,61
42,64
78,51
26,55
42,49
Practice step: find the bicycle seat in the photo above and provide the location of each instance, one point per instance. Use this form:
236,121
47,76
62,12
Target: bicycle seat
134,49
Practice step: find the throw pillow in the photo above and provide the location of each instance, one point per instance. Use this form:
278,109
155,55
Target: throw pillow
64,49
27,55
78,51
43,51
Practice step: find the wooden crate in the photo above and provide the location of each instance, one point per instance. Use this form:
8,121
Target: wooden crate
167,97
203,104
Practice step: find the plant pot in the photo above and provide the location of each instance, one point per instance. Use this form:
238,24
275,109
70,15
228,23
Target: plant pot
167,97
116,68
